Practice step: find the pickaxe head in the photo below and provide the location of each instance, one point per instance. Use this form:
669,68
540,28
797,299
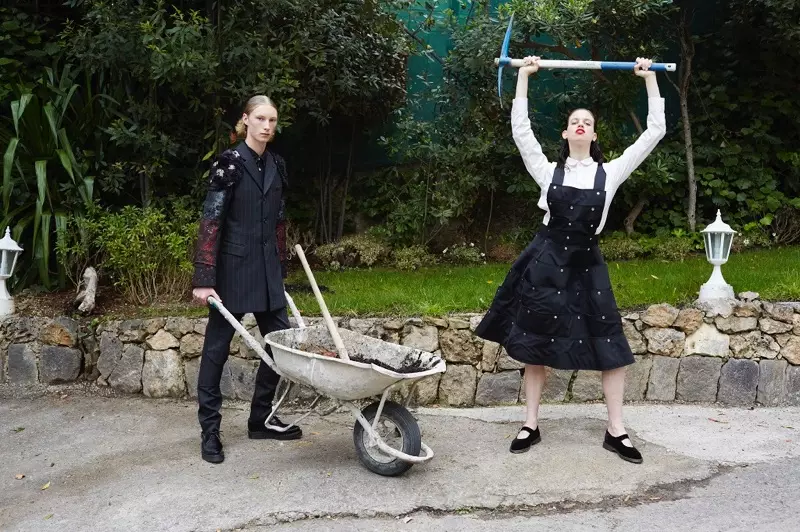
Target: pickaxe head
504,59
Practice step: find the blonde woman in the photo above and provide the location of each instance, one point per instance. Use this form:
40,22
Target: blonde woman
241,261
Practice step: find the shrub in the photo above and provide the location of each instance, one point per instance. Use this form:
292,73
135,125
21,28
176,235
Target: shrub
616,247
148,252
673,248
462,254
504,252
412,258
356,251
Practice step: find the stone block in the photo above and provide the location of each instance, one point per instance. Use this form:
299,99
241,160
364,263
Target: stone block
120,366
778,311
736,325
587,386
770,326
459,346
754,345
505,362
689,320
179,326
556,385
662,315
667,342
698,379
793,386
162,341
498,388
192,345
489,355
458,385
738,382
61,331
59,364
663,379
425,338
634,337
22,365
243,377
162,374
707,340
636,377
772,382
791,351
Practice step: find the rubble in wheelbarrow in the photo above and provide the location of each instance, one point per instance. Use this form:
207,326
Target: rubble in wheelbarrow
409,364
360,348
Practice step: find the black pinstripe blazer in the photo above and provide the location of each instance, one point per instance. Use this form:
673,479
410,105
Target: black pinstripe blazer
241,249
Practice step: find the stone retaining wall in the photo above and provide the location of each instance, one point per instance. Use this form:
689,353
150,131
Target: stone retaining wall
741,352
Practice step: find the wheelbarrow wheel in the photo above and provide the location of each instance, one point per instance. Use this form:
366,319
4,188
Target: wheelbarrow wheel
399,430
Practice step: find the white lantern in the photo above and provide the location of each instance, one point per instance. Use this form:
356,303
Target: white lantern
9,251
718,238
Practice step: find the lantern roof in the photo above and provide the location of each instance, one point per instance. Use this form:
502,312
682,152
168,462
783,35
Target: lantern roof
7,243
718,226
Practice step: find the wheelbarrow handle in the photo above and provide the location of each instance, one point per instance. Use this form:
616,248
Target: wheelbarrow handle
248,338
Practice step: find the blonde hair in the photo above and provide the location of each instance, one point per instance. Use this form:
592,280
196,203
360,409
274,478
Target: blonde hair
252,103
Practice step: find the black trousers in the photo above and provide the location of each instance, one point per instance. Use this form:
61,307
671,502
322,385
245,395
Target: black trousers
216,348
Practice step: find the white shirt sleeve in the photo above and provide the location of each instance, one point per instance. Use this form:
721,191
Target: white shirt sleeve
624,165
529,148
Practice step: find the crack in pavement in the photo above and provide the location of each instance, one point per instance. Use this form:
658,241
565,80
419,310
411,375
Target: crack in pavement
671,491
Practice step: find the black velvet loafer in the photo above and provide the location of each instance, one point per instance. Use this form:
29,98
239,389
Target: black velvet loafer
616,445
521,445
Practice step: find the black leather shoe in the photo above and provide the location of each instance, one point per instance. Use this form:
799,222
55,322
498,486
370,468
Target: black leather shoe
521,445
257,430
616,445
211,447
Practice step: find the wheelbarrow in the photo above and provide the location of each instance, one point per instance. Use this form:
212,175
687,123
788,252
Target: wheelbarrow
365,368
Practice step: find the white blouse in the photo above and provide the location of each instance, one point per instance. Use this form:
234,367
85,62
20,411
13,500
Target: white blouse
580,174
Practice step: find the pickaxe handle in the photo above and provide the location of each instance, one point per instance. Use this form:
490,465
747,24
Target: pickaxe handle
584,65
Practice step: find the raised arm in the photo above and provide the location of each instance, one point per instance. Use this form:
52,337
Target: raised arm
529,148
637,152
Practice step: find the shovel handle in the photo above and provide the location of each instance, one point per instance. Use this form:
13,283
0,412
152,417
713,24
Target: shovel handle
337,340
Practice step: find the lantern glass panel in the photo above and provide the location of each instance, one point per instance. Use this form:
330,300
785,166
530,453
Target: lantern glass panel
726,245
6,262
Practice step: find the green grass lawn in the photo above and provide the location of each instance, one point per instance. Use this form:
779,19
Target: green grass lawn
775,274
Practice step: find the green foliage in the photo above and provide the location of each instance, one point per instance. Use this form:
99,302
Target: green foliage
148,252
463,254
358,251
621,247
48,166
412,258
675,246
26,47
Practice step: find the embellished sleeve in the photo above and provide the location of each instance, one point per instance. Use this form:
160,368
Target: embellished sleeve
224,174
280,227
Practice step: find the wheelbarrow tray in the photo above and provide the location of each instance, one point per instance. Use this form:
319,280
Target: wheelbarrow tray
374,364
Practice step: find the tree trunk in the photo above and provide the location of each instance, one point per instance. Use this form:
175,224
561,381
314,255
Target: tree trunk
635,212
348,173
687,53
86,297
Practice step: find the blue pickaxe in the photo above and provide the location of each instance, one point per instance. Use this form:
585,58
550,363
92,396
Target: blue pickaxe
504,60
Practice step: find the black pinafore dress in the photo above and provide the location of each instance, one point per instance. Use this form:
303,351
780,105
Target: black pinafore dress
555,307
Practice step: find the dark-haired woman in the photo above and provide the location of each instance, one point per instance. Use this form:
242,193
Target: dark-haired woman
556,308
